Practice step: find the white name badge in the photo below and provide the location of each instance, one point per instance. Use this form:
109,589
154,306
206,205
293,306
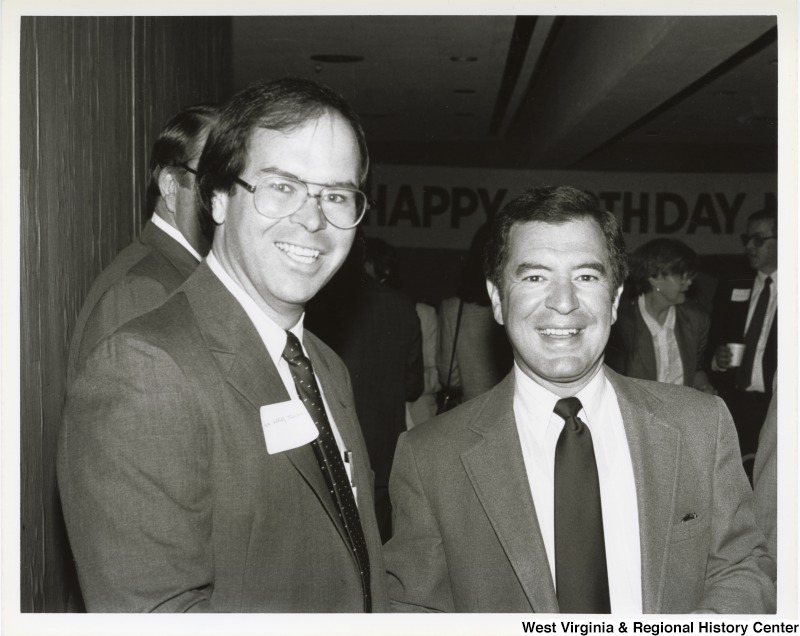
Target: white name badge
287,425
740,295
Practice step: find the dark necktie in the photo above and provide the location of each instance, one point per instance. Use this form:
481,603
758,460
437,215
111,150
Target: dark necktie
581,573
744,375
329,458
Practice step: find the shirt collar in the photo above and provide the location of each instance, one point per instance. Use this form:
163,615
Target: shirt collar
175,233
271,333
761,277
652,323
538,403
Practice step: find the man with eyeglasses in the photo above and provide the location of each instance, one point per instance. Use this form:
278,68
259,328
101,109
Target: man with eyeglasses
169,247
211,459
746,312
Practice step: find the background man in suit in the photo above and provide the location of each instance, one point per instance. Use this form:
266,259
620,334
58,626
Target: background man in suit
568,487
746,311
205,463
169,248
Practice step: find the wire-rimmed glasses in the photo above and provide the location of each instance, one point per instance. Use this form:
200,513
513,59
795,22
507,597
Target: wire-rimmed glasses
277,196
757,239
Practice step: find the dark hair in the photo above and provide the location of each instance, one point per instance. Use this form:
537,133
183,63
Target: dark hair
472,287
281,105
553,204
661,257
180,141
767,214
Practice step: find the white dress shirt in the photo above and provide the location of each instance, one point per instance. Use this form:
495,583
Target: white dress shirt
539,428
669,365
176,234
757,379
274,338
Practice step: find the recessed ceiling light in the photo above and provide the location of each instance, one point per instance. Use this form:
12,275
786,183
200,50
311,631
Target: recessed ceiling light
463,58
336,58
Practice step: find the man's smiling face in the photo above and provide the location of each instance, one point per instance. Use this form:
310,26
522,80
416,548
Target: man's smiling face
283,263
557,301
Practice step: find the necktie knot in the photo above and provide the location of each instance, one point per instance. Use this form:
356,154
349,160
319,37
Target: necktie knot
568,407
293,349
767,282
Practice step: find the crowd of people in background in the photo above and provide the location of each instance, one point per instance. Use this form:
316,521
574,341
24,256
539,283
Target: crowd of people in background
253,289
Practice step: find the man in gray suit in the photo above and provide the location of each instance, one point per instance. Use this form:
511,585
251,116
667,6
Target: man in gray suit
210,458
169,247
569,488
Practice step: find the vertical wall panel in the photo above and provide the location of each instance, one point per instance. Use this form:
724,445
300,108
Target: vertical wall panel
173,52
93,95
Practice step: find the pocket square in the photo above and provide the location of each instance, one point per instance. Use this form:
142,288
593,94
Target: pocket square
689,516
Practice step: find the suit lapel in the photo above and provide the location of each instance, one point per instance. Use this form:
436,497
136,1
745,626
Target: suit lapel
496,469
233,340
683,338
334,388
344,418
306,462
654,449
643,346
736,312
248,368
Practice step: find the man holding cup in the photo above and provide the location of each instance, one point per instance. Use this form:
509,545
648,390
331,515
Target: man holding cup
745,329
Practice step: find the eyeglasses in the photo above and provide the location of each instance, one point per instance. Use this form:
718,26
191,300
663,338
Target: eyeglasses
277,197
758,239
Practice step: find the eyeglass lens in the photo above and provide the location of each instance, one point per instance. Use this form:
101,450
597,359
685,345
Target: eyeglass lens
277,197
757,239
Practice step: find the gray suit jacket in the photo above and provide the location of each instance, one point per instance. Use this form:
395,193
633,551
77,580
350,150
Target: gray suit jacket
140,278
467,537
171,500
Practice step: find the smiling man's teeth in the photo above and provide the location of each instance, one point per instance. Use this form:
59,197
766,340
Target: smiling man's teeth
297,253
558,332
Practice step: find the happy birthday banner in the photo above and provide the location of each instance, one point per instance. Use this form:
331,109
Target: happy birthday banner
441,208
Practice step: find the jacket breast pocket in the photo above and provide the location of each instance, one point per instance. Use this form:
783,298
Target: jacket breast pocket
683,530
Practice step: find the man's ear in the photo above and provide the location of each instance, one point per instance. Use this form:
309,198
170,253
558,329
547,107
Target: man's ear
168,186
219,207
615,305
497,305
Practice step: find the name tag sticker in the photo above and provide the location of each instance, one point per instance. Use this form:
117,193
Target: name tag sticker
286,425
740,295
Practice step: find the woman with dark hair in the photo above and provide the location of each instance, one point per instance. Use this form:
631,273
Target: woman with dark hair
468,329
660,335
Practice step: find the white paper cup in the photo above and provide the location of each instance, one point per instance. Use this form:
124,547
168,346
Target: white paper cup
737,351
